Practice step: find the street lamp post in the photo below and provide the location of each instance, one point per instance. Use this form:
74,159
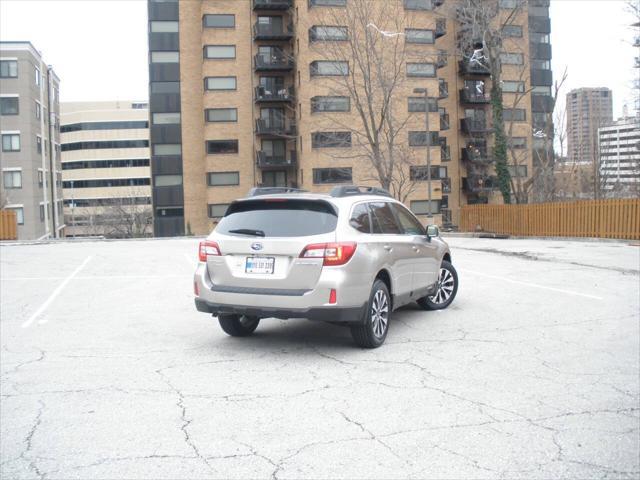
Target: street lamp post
426,122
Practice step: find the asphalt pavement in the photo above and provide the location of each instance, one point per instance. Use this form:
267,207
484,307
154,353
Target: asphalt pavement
109,372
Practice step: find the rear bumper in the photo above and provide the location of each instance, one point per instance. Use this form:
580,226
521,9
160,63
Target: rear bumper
351,315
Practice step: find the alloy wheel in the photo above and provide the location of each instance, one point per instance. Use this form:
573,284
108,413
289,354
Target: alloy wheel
446,284
379,313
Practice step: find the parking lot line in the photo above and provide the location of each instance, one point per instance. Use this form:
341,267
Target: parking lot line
534,285
55,293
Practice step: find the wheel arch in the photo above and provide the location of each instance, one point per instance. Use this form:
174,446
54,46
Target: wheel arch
447,257
384,275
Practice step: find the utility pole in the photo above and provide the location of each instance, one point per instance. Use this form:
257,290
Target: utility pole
426,122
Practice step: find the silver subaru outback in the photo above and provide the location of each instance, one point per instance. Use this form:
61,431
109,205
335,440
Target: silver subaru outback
350,257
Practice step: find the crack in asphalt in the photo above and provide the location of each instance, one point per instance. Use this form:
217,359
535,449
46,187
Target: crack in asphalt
26,453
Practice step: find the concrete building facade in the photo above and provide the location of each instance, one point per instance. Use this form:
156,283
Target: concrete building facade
253,98
587,109
105,168
30,130
619,148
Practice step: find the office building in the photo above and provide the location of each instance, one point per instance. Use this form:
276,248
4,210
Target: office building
105,169
587,109
244,94
30,153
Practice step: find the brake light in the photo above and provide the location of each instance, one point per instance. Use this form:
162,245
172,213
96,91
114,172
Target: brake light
332,253
208,248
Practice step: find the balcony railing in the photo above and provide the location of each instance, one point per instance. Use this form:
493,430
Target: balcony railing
441,27
272,4
265,31
268,94
269,160
446,184
444,121
476,67
442,59
471,125
276,62
445,153
443,89
468,95
476,155
479,183
278,127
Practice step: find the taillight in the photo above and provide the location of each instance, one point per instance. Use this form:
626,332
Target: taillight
332,253
207,248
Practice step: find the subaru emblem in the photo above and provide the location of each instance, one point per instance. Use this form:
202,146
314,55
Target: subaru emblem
256,246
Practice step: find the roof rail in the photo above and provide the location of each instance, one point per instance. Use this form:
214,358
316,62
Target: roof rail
349,190
254,192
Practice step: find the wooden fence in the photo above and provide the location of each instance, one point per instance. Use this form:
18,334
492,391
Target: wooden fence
8,225
590,218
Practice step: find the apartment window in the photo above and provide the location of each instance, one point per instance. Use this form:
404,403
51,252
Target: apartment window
330,104
509,86
37,76
110,163
517,142
421,207
517,170
167,149
331,139
418,4
90,145
12,179
509,4
167,180
117,125
40,177
9,106
421,70
420,173
164,27
42,212
218,147
540,64
38,110
39,143
514,114
511,58
220,83
217,210
219,21
107,182
416,104
165,57
221,179
319,33
8,68
415,35
329,69
219,52
535,37
221,115
419,139
170,212
139,106
541,90
512,30
169,118
19,214
327,3
165,87
332,175
10,142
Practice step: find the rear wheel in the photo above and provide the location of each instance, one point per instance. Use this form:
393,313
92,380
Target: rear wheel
373,331
446,291
238,325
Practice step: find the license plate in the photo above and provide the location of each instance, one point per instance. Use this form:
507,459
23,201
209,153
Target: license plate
259,264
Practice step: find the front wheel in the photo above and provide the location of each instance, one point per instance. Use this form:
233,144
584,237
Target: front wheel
446,291
238,325
372,333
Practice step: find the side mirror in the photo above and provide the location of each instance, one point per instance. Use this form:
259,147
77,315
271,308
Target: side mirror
433,231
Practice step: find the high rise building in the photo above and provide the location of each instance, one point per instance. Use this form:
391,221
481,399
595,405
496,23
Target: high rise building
256,95
105,168
30,129
587,109
619,168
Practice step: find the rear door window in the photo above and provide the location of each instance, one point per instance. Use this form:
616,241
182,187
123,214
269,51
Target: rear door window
408,222
280,217
383,218
360,219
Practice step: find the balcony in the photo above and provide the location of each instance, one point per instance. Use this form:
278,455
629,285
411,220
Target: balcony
441,27
473,126
444,121
479,183
446,184
272,4
442,59
273,63
265,31
275,127
267,95
445,153
470,96
476,155
473,68
267,160
443,89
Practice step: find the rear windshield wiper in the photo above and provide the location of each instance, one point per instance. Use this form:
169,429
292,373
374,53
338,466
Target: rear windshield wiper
248,231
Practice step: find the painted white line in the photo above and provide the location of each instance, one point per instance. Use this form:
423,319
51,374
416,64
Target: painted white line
55,293
94,277
534,285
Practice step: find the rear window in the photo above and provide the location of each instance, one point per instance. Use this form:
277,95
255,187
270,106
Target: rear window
280,217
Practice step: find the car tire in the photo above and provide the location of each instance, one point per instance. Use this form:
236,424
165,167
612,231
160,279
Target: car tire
447,289
238,325
373,331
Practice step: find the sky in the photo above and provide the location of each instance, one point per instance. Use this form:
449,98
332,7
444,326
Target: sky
98,48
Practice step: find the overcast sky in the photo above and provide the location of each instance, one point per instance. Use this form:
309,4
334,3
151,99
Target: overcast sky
99,47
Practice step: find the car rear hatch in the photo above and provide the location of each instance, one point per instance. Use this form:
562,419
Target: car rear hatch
261,241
